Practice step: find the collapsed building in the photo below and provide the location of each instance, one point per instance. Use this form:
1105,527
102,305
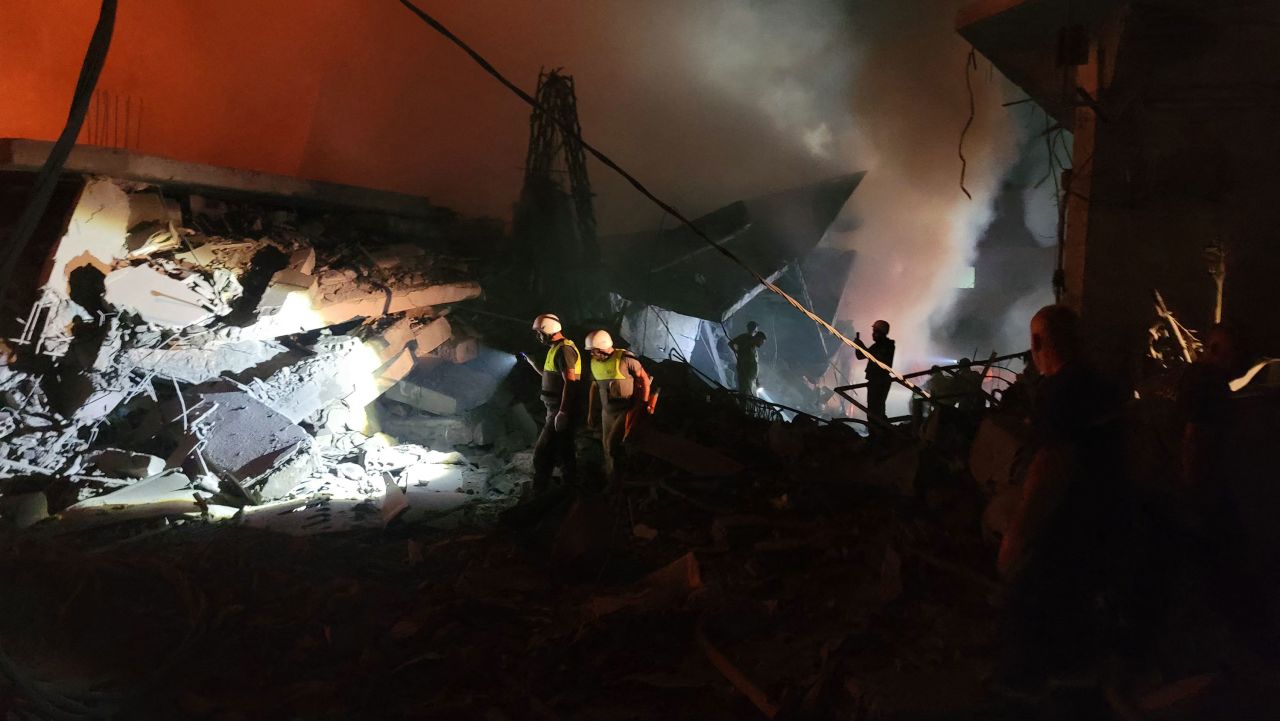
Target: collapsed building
224,353
211,343
677,297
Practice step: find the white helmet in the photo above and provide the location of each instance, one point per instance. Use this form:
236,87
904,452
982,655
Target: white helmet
547,324
599,340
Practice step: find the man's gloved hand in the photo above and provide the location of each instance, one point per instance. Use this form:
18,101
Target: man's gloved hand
561,422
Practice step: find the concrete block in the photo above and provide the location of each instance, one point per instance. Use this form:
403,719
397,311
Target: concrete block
170,492
203,363
444,388
433,295
458,350
235,256
95,236
434,433
434,476
155,297
303,261
294,278
127,464
246,439
286,285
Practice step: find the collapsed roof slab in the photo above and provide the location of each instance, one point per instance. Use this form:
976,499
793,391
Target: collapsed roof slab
30,155
678,271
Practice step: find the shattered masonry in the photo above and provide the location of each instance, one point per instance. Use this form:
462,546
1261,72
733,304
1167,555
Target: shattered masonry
172,368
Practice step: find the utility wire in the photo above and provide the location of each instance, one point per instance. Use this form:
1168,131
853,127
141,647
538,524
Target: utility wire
970,64
667,207
47,179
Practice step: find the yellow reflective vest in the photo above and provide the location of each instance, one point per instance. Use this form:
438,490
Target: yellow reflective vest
609,369
550,364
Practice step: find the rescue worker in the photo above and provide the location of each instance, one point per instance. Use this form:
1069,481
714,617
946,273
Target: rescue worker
747,349
560,373
622,384
878,379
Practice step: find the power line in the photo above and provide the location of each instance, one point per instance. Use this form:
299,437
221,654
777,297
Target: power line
47,179
635,183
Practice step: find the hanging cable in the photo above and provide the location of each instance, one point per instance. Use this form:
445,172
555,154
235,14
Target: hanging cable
47,179
970,64
635,183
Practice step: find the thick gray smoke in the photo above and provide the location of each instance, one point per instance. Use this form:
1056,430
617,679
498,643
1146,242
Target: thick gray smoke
916,229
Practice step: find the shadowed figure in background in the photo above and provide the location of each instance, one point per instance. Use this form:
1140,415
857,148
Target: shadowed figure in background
878,379
1065,554
747,349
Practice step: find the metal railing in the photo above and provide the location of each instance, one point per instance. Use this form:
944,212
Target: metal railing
846,392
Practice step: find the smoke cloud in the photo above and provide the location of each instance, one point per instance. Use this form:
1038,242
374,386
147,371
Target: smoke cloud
915,229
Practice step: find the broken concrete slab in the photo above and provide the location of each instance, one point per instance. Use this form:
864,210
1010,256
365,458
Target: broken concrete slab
168,490
126,464
444,389
201,363
287,287
458,350
156,298
303,261
243,439
341,300
235,256
425,503
151,206
95,236
444,433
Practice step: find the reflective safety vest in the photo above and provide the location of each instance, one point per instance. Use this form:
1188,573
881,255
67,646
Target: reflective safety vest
550,364
609,369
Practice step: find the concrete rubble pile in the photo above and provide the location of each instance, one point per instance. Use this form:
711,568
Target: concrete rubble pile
172,367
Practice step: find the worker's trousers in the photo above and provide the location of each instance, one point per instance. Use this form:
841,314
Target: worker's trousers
614,427
877,396
747,379
554,448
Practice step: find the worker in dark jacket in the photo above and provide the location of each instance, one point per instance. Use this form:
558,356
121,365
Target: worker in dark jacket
622,384
747,349
878,379
560,373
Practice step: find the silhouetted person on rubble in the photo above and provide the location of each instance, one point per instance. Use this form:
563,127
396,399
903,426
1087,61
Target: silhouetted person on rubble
878,379
968,385
1063,555
747,349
